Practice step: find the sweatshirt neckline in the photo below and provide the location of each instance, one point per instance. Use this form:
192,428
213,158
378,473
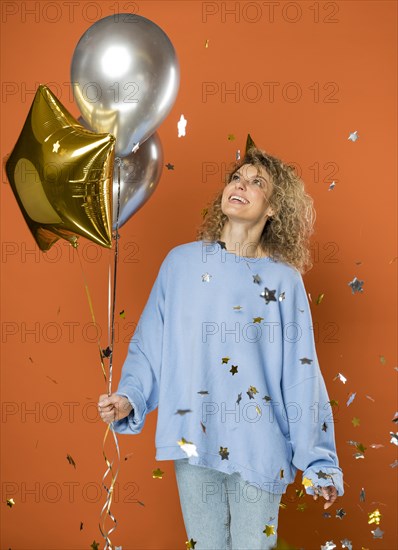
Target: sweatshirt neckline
232,256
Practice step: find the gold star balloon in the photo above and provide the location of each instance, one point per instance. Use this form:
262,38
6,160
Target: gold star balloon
61,175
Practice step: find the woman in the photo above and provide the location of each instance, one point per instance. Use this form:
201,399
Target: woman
224,349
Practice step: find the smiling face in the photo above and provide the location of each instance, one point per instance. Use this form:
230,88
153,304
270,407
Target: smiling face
246,196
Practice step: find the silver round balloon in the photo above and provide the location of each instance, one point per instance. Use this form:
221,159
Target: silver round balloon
125,77
139,175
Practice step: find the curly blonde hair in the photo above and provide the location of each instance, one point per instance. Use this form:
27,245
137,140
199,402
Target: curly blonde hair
286,234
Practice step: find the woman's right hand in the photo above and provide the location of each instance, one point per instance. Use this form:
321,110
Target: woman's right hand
113,407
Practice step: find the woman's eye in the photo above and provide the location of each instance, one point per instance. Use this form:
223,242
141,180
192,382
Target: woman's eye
257,182
235,176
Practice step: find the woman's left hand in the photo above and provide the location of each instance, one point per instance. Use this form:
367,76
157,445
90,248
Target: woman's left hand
330,494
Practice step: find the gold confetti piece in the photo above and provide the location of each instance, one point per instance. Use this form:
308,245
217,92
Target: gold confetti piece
207,44
281,473
190,544
231,137
157,474
258,409
307,482
300,493
355,421
94,545
258,319
237,307
81,526
10,502
253,389
71,461
269,530
140,502
383,360
301,507
225,359
224,453
334,403
374,517
234,369
282,505
319,299
188,447
122,314
203,427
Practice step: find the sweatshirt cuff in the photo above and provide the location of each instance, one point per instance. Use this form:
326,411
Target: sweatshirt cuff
134,422
322,476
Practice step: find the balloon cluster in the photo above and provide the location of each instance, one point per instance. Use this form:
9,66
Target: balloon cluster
125,78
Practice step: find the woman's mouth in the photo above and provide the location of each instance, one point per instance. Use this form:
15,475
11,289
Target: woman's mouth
237,199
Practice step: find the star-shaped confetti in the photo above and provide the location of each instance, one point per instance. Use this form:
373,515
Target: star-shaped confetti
206,277
355,421
345,543
56,146
329,545
239,398
306,361
258,319
94,545
324,427
332,186
256,279
234,369
322,475
71,461
181,125
190,544
122,314
258,410
231,137
301,507
281,296
157,474
237,307
188,447
169,166
374,517
340,513
307,482
267,398
225,360
107,352
10,502
356,285
268,295
183,411
223,452
269,530
377,533
353,136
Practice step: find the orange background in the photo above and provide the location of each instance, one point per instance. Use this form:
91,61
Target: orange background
342,56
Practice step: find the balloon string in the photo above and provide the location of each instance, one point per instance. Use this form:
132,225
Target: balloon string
90,304
106,509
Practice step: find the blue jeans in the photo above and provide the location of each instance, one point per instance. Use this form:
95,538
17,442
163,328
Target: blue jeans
223,511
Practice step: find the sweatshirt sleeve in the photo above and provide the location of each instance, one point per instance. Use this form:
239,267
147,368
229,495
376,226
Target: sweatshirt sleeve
308,409
140,375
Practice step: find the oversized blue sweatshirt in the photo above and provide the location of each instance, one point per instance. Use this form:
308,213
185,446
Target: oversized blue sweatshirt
224,348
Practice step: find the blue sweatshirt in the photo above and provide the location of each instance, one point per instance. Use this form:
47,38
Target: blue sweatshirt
224,349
